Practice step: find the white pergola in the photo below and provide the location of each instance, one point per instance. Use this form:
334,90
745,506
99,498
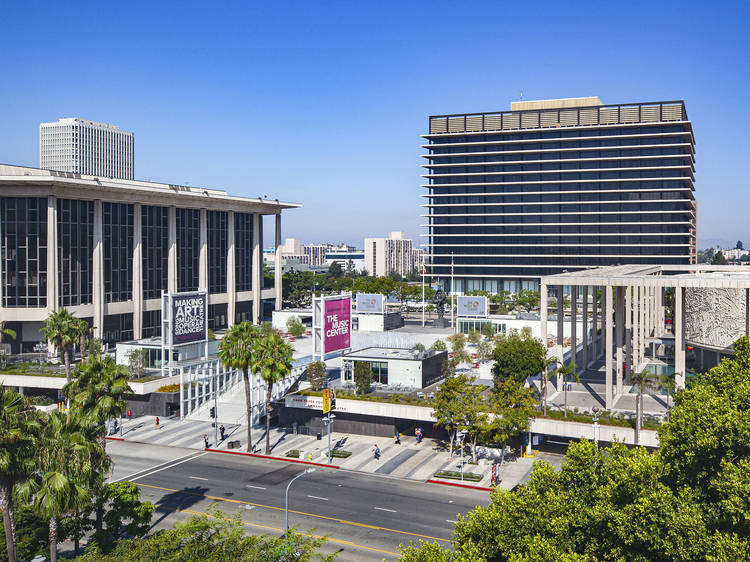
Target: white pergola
630,312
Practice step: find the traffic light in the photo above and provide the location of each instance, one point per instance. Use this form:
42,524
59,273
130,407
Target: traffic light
213,411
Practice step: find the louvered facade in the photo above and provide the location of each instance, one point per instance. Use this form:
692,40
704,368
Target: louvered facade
558,185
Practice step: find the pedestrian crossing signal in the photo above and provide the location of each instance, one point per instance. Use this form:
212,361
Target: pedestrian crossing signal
212,411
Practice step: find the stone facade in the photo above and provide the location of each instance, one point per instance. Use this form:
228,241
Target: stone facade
714,317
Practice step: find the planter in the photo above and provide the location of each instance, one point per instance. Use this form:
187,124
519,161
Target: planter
454,475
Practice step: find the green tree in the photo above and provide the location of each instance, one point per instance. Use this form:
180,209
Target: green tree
350,271
449,406
137,362
518,358
272,360
295,327
419,347
739,245
567,372
474,337
98,393
63,330
719,259
362,376
438,345
317,375
644,381
458,342
474,418
18,423
212,537
334,270
484,350
511,405
236,352
66,462
33,534
667,384
84,331
125,514
5,331
488,330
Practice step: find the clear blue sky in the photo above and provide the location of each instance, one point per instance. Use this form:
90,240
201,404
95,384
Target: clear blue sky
323,103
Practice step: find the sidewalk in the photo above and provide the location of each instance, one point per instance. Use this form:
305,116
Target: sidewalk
408,460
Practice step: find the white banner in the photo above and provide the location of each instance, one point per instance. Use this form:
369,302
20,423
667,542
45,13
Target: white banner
471,306
367,302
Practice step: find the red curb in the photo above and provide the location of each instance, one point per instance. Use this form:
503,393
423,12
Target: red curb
482,488
115,438
272,458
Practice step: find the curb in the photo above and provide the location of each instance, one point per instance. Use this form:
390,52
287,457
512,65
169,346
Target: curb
114,438
272,458
480,488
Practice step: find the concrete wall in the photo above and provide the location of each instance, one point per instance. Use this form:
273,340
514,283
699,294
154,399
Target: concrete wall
577,430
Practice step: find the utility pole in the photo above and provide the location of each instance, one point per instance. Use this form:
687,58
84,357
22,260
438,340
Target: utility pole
216,410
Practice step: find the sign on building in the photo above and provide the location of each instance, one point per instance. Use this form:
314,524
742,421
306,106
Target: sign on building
326,401
471,306
369,302
189,317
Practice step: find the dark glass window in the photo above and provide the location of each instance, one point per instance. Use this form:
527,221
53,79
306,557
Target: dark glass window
188,249
217,316
243,244
75,246
117,327
217,251
117,231
243,312
151,323
23,223
155,250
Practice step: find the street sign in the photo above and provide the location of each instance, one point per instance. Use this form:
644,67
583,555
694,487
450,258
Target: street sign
332,394
326,401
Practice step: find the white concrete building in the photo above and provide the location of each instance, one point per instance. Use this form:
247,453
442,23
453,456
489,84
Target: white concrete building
86,147
392,254
105,249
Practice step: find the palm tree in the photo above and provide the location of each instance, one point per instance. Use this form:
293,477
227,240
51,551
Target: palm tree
547,375
66,461
272,359
83,331
644,381
98,393
17,424
667,384
5,331
63,330
566,371
235,352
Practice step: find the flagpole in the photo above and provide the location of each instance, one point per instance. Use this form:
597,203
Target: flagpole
423,272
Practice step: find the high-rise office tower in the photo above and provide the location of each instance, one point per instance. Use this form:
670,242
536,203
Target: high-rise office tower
558,185
86,147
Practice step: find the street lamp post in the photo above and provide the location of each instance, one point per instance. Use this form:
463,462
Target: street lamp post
329,422
460,435
286,499
595,409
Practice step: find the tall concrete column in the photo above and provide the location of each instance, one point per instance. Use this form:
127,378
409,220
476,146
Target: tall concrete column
543,313
257,266
620,333
53,272
608,351
97,265
585,328
644,323
560,315
277,275
602,307
594,327
172,256
574,324
679,344
137,272
628,332
203,253
231,271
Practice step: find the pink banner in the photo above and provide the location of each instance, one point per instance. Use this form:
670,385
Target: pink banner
337,324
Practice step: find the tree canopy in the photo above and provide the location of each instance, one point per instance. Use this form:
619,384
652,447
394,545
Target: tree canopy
518,357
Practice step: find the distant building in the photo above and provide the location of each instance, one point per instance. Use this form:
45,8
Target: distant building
310,254
384,256
343,257
81,146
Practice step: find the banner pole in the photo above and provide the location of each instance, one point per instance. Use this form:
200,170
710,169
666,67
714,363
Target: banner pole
423,305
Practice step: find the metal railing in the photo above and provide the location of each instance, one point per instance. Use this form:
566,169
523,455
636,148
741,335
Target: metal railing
618,114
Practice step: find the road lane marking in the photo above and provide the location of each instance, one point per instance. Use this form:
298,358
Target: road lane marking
385,509
166,467
336,519
197,478
338,541
128,477
318,498
256,487
450,521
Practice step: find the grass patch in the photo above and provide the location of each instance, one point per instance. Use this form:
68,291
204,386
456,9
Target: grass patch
394,399
456,475
339,454
605,418
294,453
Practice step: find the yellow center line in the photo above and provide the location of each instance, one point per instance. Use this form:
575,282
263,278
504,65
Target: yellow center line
343,521
329,539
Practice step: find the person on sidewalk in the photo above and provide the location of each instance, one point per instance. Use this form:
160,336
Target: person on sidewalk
205,440
376,450
157,422
222,430
398,438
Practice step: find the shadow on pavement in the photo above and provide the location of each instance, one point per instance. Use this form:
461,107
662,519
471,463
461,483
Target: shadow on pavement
175,501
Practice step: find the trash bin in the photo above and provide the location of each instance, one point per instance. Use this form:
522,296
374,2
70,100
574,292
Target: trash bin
318,436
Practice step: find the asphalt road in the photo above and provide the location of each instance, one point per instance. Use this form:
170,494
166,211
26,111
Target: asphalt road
364,516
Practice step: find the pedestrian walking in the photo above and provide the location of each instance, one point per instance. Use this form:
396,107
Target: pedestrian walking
129,414
115,431
157,422
398,438
222,430
376,450
205,440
